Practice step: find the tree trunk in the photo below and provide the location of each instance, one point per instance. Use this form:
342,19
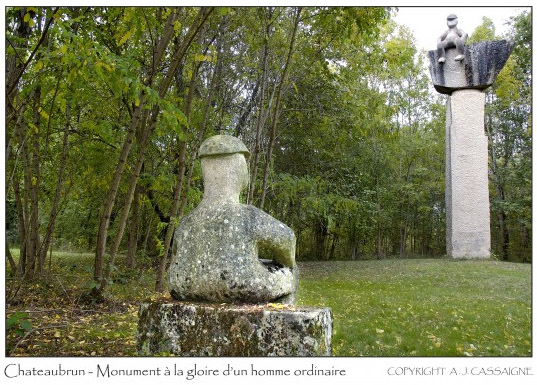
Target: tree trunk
34,189
499,187
22,226
15,77
203,124
247,111
334,242
504,231
114,185
59,185
199,22
261,117
15,66
133,230
18,131
276,114
11,261
379,222
402,241
143,144
146,236
159,285
110,200
27,175
184,195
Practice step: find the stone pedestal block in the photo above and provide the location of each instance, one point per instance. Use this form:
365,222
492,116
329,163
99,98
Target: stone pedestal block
204,329
467,193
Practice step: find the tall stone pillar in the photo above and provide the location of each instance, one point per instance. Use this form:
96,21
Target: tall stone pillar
463,73
467,195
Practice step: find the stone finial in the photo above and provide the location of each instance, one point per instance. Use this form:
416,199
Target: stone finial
215,255
452,38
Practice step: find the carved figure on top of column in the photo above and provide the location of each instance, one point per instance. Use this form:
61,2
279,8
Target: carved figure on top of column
452,38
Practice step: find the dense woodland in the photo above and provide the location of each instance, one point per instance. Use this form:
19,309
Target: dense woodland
107,106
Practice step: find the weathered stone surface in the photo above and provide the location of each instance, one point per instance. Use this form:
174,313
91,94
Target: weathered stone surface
216,246
467,194
481,64
217,256
196,329
222,144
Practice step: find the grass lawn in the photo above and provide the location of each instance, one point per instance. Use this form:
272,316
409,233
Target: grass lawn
413,307
423,307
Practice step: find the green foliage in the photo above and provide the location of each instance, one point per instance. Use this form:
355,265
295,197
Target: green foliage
368,161
484,32
18,323
509,128
357,167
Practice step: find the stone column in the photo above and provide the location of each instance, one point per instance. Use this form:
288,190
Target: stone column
467,194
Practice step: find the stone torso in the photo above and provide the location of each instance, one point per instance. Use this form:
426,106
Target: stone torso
215,255
451,37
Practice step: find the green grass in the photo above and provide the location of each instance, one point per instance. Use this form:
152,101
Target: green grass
423,307
414,307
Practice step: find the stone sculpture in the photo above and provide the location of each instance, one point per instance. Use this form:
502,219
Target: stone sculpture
222,292
467,191
216,246
453,37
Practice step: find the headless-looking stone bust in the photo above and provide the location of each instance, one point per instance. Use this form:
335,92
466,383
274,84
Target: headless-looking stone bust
452,38
216,246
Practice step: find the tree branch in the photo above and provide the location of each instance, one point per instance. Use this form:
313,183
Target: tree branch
43,36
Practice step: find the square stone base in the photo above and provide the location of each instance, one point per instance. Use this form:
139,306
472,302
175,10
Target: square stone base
226,330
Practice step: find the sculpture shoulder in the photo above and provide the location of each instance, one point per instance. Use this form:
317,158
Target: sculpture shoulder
267,224
190,217
257,214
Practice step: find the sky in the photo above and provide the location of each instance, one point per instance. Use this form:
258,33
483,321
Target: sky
428,23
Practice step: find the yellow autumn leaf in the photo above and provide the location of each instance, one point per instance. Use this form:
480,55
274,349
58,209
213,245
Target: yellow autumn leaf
201,57
125,37
34,127
44,114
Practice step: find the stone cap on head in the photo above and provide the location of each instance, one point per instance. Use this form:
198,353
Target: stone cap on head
222,144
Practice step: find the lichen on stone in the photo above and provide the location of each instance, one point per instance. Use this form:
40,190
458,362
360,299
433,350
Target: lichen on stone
216,253
204,329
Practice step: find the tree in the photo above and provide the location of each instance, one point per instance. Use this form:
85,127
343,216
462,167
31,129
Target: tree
508,126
